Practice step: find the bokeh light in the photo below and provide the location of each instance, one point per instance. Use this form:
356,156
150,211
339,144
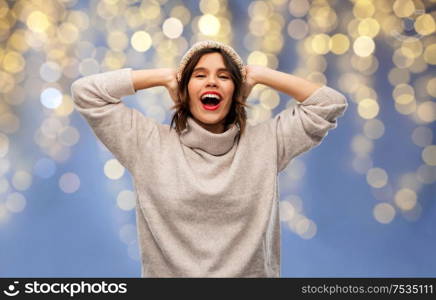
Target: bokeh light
384,213
69,182
113,169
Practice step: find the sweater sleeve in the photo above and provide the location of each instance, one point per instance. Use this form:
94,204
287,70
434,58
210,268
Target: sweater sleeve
98,99
305,125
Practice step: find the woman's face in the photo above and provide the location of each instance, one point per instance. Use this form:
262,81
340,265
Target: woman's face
210,76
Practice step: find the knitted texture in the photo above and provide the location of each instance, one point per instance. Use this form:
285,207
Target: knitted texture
210,44
207,204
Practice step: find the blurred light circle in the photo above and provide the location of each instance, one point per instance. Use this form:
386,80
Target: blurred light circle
410,181
44,168
361,145
114,60
374,129
431,87
302,226
413,214
296,203
15,202
363,9
117,40
113,169
363,46
298,29
361,164
292,223
126,200
69,183
320,43
419,65
402,58
37,21
369,27
51,126
15,97
405,199
406,109
9,122
429,155
21,180
411,48
172,28
368,108
141,41
306,228
339,43
51,98
78,18
430,54
404,8
385,193
377,177
211,6
269,98
13,62
69,136
4,145
89,66
427,111
258,58
17,40
384,213
67,33
403,93
84,49
209,25
128,234
298,8
287,211
424,24
50,71
4,185
7,82
66,107
426,174
422,136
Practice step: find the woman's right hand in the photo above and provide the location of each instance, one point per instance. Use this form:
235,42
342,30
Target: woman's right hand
172,84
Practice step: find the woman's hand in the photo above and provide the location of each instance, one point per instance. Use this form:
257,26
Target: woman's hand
172,84
251,81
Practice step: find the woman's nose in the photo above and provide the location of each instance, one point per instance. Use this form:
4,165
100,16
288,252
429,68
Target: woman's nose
211,80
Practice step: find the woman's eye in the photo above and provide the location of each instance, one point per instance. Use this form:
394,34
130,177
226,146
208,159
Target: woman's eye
225,77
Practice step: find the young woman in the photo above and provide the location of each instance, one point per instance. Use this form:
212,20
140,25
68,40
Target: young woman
207,193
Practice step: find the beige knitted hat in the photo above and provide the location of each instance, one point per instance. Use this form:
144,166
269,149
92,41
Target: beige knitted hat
210,44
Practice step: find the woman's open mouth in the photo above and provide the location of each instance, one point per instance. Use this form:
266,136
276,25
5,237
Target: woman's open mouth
210,102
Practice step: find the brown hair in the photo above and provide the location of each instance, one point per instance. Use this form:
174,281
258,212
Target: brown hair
237,113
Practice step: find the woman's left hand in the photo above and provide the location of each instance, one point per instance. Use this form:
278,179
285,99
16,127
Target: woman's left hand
250,82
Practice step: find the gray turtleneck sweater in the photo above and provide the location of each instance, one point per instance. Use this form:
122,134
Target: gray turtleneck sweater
207,204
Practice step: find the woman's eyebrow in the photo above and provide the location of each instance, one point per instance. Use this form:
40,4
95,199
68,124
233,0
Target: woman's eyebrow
204,69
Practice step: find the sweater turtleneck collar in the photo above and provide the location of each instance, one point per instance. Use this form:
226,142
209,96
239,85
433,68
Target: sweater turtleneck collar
196,137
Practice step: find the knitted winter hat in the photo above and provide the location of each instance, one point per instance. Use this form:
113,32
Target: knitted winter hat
210,44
